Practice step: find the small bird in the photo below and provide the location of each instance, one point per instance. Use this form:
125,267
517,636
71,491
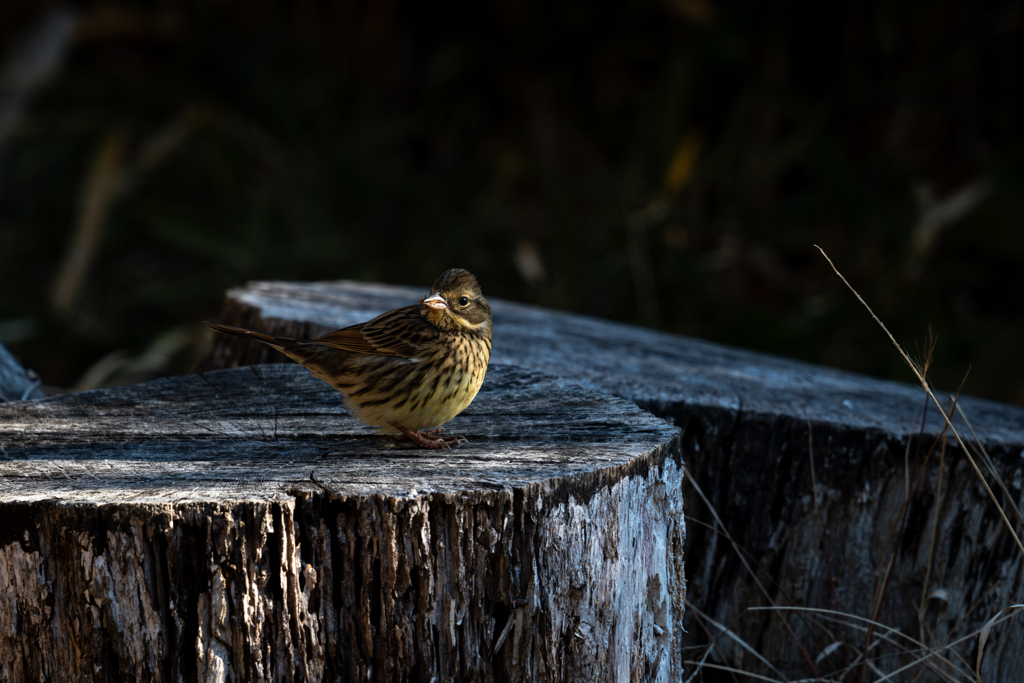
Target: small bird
407,370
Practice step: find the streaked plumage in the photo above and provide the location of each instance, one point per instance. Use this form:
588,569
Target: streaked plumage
409,369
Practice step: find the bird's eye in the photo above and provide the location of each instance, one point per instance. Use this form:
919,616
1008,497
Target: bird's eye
463,300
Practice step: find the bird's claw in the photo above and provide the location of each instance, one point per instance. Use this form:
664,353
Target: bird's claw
426,439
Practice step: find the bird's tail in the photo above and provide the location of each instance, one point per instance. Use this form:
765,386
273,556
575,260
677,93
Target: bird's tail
279,343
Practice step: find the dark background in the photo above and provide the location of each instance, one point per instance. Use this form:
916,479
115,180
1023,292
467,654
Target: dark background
661,163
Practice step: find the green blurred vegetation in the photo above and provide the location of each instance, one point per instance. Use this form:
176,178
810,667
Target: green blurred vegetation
662,163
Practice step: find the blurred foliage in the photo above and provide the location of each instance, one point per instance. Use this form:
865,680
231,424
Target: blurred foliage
663,163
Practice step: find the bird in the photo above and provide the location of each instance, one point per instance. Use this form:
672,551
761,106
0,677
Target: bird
407,371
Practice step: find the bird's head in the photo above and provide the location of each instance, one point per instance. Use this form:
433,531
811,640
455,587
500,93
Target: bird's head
457,304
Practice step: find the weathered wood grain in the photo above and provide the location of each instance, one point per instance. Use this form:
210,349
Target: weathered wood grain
242,526
746,418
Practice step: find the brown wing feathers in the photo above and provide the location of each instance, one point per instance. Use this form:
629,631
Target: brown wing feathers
390,334
386,335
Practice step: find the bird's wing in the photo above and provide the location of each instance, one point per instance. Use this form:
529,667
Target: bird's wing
395,333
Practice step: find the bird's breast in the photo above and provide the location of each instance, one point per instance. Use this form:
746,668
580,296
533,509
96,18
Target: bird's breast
416,393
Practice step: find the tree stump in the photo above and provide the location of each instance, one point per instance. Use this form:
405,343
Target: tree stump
746,419
242,526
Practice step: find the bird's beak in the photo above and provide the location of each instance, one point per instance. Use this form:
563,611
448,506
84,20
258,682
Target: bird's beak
434,301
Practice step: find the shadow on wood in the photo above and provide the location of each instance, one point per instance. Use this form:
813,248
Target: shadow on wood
243,526
745,419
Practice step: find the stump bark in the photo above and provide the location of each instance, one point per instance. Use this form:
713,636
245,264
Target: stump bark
242,526
752,425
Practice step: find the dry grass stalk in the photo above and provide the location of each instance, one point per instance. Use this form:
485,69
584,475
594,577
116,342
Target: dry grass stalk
923,381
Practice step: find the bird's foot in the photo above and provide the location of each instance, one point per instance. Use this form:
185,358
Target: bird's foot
426,439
